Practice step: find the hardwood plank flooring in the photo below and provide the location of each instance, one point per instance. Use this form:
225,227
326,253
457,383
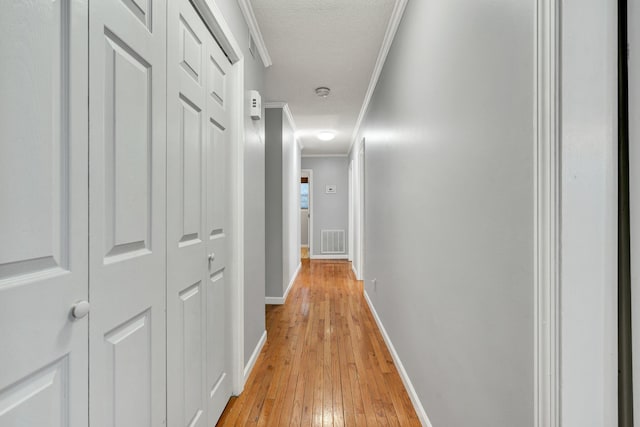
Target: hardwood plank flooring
325,362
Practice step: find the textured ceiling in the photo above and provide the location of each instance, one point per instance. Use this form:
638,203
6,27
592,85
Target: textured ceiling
333,43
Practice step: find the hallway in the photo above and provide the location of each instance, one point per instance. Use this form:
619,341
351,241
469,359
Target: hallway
325,362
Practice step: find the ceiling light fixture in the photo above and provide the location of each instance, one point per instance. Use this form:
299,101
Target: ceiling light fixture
326,136
323,91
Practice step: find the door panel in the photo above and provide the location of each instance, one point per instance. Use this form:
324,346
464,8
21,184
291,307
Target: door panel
43,219
127,185
197,196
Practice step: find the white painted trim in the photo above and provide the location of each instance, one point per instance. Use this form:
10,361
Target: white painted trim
353,268
274,300
547,216
254,356
218,26
275,104
254,30
304,246
283,299
340,256
392,28
325,155
287,113
415,400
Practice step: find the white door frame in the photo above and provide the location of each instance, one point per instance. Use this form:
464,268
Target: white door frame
360,208
214,20
351,222
547,178
310,175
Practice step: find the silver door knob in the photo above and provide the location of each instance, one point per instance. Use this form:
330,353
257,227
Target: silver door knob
212,257
80,309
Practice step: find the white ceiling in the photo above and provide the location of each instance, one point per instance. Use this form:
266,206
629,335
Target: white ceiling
333,43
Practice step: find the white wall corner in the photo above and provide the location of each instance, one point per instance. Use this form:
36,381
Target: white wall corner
281,300
254,30
390,33
355,272
254,356
286,111
417,404
292,281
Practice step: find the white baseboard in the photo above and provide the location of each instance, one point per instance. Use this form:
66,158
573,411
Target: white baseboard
254,356
304,246
338,256
417,405
353,268
283,299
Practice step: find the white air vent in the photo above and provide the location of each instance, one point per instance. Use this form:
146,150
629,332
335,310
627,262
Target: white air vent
332,242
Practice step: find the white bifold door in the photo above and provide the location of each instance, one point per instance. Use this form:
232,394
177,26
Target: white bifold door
127,186
198,339
43,213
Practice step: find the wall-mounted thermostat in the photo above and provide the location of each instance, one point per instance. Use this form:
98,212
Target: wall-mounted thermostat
330,189
256,105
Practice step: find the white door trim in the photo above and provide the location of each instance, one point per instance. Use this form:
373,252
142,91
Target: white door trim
547,215
213,18
351,186
310,175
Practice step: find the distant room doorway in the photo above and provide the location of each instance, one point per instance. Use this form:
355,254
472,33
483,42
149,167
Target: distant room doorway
305,213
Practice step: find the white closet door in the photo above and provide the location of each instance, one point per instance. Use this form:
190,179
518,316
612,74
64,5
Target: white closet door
198,335
127,185
43,213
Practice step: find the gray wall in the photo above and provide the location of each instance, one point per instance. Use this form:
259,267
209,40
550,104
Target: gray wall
589,214
329,211
274,202
282,203
254,232
449,208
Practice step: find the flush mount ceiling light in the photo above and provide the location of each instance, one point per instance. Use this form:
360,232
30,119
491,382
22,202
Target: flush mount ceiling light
323,91
326,136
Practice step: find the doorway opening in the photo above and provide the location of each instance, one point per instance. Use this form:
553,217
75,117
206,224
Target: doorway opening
306,235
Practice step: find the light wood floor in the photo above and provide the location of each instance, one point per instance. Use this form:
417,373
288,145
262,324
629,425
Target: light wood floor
325,362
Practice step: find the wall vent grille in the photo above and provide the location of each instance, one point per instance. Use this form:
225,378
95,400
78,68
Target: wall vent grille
333,242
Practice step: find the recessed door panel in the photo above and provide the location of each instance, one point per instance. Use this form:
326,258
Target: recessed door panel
127,151
192,364
217,179
216,330
40,399
141,9
129,372
34,129
190,50
217,81
191,155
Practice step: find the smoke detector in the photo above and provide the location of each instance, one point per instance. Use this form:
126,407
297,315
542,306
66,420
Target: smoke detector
323,91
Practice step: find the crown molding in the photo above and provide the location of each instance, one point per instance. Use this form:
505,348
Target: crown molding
392,28
254,29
